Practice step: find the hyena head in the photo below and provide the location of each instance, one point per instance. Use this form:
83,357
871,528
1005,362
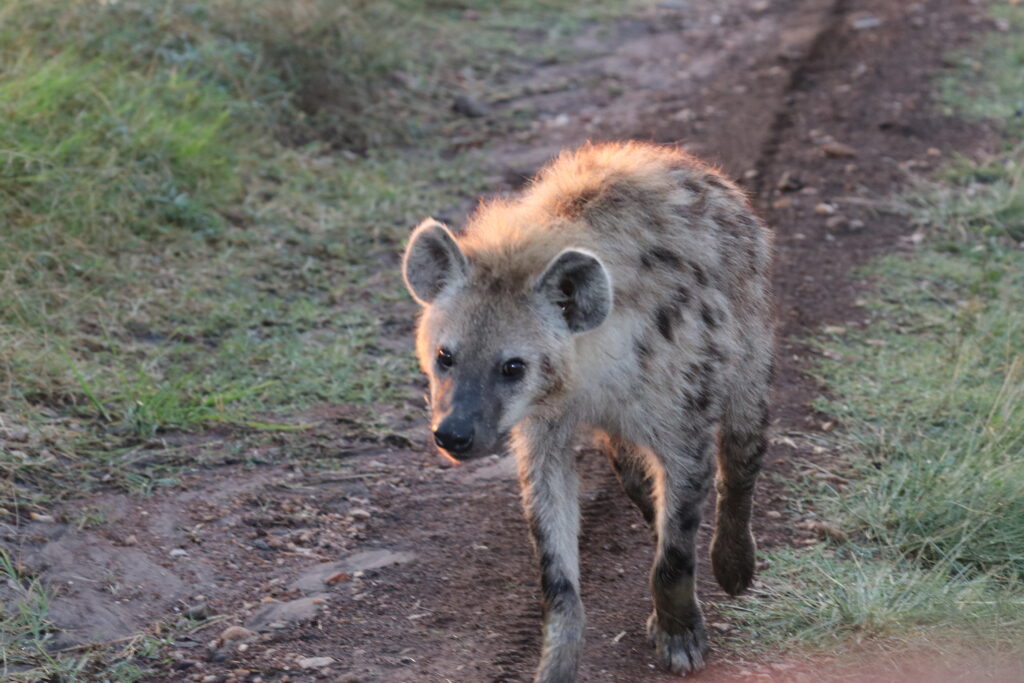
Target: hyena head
496,334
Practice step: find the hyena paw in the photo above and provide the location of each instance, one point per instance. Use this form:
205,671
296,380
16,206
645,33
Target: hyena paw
732,560
681,652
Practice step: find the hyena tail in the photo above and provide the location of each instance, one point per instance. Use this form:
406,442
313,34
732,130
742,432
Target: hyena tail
743,439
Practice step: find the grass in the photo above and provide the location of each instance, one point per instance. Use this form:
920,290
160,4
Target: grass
201,210
988,82
931,396
196,199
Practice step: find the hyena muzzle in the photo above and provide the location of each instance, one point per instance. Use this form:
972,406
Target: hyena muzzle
625,294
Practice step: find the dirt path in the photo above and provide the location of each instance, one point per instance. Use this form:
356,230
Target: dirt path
766,89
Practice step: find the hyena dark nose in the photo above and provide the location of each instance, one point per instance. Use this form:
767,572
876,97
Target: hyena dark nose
454,438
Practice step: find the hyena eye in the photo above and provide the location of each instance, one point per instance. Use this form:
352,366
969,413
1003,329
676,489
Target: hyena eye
514,368
445,358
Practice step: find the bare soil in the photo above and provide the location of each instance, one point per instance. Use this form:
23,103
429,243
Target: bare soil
766,89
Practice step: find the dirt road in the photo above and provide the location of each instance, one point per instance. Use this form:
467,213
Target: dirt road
402,569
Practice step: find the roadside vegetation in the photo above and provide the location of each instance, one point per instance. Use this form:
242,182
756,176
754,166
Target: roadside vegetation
197,200
200,210
924,511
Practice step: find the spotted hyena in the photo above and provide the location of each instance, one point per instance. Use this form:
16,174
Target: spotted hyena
625,292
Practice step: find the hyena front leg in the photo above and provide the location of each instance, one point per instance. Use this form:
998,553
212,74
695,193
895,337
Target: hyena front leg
550,486
677,624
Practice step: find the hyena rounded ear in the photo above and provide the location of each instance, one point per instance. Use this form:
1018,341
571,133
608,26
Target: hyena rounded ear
432,261
577,282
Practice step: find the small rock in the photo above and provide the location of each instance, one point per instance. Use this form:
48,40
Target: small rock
559,121
825,209
470,107
260,544
237,633
198,612
838,150
130,539
315,662
39,517
338,578
278,615
788,182
855,225
359,513
783,203
179,552
720,627
836,221
864,21
773,514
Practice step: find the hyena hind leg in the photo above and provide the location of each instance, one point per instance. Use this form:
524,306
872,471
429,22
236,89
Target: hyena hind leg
677,624
628,464
743,440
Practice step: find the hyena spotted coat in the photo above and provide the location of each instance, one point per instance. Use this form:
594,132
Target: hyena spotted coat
625,293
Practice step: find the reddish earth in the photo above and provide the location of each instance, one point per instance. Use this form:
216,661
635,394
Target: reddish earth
834,93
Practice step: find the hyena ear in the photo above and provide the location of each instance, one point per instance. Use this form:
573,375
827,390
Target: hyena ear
577,282
432,261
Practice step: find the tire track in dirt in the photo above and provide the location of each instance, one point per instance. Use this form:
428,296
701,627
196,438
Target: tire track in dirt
783,119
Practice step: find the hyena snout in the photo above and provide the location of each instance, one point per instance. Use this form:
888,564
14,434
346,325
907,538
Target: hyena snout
454,434
462,429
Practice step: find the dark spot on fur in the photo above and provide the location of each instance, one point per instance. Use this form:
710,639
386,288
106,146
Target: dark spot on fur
691,373
698,272
664,320
666,256
716,181
748,221
708,316
703,398
682,296
643,352
558,592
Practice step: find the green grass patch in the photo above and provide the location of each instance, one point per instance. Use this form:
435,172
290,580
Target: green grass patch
202,206
931,398
989,82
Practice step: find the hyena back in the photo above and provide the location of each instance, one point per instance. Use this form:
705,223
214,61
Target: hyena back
624,292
